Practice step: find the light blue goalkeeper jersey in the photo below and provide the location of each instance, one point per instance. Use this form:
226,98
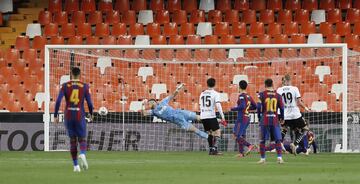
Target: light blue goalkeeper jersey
164,111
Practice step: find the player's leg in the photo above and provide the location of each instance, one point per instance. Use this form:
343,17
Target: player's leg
185,117
190,127
275,129
263,137
71,130
207,129
81,132
301,125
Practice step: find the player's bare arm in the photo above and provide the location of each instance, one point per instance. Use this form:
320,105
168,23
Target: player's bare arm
302,105
177,90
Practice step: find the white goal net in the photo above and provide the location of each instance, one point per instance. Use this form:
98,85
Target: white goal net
121,77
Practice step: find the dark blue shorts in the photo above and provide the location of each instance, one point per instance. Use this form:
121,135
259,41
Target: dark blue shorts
240,129
270,130
76,128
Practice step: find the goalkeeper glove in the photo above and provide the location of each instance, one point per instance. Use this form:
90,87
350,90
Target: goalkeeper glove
223,122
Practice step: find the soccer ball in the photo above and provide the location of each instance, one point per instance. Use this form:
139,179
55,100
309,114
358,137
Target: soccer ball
103,111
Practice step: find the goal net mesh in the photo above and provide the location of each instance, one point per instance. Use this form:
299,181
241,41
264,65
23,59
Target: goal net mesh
120,79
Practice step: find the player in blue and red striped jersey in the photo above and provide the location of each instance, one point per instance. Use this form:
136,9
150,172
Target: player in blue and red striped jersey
267,108
75,93
244,104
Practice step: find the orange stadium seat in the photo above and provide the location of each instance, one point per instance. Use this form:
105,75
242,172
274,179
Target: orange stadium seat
84,30
61,17
238,29
187,29
124,40
223,5
78,17
248,16
252,53
353,15
193,40
176,40
275,5
267,16
119,29
92,40
22,42
45,17
334,16
308,27
67,30
246,39
129,17
280,39
342,28
170,28
344,4
183,55
136,29
333,38
256,29
326,28
39,42
214,16
162,16
227,39
108,40
298,38
30,55
274,29
71,6
88,5
1,19
55,5
222,28
158,40
102,29
263,39
231,16
57,40
310,97
75,40
310,5
291,28
356,29
51,29
179,16
307,52
138,5
241,5
211,39
271,53
11,55
105,6
112,17
352,40
293,4
301,16
156,5
327,4
153,29
258,5
166,54
197,16
95,17
173,5
190,5
284,16
356,4
201,55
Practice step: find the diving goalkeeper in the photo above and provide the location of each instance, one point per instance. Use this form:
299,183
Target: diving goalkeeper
164,111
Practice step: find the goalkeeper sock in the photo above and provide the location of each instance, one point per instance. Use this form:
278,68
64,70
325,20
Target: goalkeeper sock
201,134
241,145
83,145
215,140
73,150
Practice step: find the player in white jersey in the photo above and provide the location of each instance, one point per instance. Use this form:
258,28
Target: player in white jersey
209,99
293,118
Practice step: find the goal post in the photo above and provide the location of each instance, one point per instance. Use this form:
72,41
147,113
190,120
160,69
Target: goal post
121,76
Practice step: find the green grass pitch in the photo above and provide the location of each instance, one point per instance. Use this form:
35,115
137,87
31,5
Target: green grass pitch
177,167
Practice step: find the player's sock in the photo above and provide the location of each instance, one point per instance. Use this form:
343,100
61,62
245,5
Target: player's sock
201,134
210,141
83,146
278,149
270,147
306,142
241,145
215,141
298,140
262,149
73,150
